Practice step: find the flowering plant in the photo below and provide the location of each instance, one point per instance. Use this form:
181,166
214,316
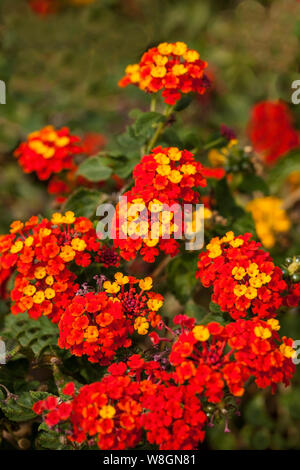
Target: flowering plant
148,340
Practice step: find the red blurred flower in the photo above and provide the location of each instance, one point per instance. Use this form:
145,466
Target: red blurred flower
92,143
271,130
48,151
44,7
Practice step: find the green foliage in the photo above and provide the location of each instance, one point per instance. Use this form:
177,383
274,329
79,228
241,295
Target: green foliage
283,168
183,103
38,336
192,309
251,183
244,224
127,149
61,94
226,203
18,408
94,169
83,202
146,124
181,278
51,440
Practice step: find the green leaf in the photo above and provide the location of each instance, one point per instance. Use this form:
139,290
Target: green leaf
181,277
226,202
283,168
94,169
170,138
52,440
135,113
39,395
83,202
213,317
244,224
183,103
61,379
145,123
18,408
128,144
40,336
252,182
214,308
124,169
194,310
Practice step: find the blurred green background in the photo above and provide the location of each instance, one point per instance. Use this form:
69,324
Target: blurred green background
63,69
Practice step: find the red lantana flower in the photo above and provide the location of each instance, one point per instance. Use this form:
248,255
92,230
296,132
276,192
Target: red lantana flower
172,68
95,326
243,276
175,420
214,358
99,324
106,413
41,253
150,219
48,151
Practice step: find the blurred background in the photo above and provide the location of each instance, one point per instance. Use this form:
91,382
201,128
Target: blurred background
61,62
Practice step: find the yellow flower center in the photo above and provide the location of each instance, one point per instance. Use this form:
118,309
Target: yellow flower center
201,333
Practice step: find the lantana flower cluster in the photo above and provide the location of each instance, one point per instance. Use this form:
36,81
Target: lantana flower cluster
48,151
63,183
172,68
146,222
158,392
165,401
243,276
216,359
114,412
175,418
106,413
51,154
42,254
164,396
97,324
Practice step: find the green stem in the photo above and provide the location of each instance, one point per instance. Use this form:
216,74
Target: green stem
215,142
153,103
160,128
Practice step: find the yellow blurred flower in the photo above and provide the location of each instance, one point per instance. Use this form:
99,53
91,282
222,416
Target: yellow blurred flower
269,217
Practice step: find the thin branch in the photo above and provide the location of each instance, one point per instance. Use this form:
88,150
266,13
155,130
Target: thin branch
161,267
